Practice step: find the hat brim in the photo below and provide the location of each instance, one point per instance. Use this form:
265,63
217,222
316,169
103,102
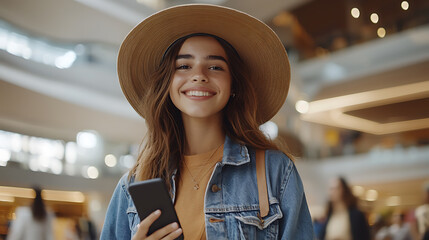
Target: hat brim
256,43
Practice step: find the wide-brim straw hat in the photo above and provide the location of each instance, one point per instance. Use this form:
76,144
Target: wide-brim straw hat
256,43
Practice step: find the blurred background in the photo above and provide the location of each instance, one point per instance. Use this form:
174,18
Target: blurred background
358,104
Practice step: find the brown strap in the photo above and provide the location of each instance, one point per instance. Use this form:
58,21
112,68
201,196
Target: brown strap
262,183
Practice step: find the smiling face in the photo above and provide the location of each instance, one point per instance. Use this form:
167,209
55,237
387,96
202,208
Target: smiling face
201,83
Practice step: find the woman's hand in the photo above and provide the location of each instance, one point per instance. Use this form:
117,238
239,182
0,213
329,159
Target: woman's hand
171,231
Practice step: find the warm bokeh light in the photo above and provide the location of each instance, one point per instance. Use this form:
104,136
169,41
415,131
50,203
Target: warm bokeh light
64,196
355,12
284,19
17,192
110,160
374,18
92,172
5,198
393,201
381,32
405,5
371,195
302,106
358,191
9,194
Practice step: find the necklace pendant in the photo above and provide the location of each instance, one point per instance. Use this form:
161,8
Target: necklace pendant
196,186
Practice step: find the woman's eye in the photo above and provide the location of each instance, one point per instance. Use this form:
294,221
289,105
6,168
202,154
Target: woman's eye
183,66
215,68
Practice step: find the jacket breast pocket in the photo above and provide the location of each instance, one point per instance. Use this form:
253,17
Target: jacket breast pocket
251,227
133,219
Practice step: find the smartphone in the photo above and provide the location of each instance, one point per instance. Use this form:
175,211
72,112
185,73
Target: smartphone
150,195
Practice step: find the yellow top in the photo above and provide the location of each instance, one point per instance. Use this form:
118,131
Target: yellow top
194,177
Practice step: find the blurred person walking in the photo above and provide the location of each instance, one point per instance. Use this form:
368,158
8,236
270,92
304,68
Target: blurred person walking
344,220
33,222
400,230
380,229
422,216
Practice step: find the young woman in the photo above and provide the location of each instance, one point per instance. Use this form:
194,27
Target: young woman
35,222
204,78
344,219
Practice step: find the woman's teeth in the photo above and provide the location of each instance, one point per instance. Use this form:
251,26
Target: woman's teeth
198,93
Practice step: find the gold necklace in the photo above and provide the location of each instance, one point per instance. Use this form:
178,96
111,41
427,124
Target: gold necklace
196,185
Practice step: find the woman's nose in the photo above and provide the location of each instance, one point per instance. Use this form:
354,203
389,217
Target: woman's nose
199,76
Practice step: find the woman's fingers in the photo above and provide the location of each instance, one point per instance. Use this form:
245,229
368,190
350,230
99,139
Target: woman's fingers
168,232
173,235
144,225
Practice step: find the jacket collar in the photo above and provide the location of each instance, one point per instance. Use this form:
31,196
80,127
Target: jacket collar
234,153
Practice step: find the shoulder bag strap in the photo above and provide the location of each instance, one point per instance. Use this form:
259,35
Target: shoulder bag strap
262,184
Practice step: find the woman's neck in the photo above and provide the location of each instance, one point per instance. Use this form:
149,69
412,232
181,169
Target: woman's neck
202,134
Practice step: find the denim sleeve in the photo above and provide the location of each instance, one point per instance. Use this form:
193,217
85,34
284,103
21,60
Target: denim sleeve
296,222
116,224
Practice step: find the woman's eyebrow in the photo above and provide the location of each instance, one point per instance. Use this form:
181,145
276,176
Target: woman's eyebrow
184,56
210,57
215,57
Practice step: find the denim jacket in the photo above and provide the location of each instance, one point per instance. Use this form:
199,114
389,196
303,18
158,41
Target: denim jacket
231,209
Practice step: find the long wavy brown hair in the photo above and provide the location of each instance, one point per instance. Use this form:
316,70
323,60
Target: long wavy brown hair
165,138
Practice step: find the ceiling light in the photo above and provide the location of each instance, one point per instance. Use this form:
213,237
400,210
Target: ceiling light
331,111
4,198
51,195
110,160
405,5
71,152
92,172
86,139
24,45
381,32
17,192
374,18
64,196
302,106
66,60
4,156
371,195
355,12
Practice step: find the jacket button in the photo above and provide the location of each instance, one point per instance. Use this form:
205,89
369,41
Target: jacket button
215,188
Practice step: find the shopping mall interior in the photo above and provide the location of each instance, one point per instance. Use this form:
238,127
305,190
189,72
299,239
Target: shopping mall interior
358,103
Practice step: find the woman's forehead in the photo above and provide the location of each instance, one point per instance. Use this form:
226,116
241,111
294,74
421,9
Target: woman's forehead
204,45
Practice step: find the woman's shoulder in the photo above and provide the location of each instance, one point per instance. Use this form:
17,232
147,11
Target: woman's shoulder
278,157
126,179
